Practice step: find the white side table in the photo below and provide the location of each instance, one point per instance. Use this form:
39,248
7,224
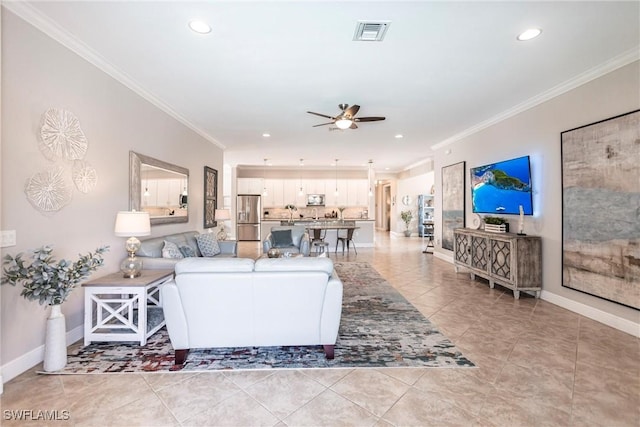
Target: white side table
122,309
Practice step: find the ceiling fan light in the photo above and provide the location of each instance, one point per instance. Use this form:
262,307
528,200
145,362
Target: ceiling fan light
343,123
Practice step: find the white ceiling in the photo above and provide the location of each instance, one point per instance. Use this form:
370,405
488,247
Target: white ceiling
443,70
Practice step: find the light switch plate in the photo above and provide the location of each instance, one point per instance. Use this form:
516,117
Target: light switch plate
7,238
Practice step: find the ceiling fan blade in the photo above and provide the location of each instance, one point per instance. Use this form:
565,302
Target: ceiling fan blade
368,119
322,124
353,110
321,115
353,125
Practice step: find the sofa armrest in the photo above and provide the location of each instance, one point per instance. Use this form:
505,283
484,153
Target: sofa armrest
228,247
174,316
331,311
305,244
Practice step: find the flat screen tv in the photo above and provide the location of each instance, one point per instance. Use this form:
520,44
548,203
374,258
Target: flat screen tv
502,187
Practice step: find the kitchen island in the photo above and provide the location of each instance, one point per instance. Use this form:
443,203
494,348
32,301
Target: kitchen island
363,236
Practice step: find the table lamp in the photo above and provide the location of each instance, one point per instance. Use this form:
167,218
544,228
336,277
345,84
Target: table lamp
132,224
222,215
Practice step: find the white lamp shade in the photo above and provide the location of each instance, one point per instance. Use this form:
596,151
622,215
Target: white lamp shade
132,223
223,214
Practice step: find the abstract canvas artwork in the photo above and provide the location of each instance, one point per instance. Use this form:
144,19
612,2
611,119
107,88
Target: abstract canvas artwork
601,209
453,211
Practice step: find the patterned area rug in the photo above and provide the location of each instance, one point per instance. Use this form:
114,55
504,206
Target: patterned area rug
379,328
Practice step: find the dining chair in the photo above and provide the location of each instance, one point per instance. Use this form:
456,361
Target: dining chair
346,236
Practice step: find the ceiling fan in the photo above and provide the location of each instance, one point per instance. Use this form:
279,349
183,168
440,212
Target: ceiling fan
346,119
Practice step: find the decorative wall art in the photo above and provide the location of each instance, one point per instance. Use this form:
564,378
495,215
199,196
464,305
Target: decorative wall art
48,191
61,136
601,209
210,197
63,142
453,212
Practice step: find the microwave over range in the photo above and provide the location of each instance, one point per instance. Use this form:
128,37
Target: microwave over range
315,199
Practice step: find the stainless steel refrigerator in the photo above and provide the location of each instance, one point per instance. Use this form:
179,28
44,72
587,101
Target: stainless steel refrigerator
248,208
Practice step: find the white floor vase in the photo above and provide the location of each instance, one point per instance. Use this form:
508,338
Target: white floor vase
55,345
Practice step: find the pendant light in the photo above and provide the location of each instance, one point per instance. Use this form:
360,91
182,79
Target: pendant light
264,178
336,193
146,187
301,191
369,178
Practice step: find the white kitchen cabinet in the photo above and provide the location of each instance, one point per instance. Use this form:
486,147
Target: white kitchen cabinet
357,192
275,188
291,188
250,185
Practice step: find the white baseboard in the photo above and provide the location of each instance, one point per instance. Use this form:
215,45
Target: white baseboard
444,257
32,358
608,319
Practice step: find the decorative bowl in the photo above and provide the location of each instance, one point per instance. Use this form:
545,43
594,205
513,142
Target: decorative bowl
273,253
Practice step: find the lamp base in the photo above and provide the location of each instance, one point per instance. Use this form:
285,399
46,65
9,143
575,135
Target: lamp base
131,267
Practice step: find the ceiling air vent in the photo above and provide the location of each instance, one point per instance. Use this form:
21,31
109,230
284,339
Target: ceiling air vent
368,31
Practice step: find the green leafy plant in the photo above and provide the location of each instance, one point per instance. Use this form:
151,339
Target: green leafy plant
46,279
495,220
291,207
407,217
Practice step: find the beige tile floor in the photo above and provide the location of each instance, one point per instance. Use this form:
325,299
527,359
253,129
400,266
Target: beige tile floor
538,365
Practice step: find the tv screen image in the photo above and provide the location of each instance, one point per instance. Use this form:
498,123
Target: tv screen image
502,187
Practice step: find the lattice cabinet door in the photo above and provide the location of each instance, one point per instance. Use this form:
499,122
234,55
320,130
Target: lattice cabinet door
479,252
501,252
462,248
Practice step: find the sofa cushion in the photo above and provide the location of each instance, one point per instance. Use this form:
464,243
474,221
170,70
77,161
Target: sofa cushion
208,244
282,238
171,250
295,264
187,251
217,265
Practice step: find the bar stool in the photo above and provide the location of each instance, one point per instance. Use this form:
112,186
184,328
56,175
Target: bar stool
346,236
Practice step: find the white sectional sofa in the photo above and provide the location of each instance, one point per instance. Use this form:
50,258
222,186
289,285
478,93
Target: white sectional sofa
239,302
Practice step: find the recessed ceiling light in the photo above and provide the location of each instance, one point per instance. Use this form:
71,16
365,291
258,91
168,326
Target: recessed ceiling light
399,136
266,135
199,27
529,34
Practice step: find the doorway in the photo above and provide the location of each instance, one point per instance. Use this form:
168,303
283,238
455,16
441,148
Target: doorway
386,215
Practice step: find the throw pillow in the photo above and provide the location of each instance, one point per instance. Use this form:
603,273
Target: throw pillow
281,238
171,250
187,251
208,244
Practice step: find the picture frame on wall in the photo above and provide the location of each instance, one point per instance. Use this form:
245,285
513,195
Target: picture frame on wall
210,197
600,199
453,195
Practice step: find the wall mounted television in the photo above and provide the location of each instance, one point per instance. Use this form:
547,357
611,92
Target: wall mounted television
502,187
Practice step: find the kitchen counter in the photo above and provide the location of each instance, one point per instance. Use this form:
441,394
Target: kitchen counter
363,236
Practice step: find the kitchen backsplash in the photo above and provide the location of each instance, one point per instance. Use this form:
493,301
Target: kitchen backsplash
352,212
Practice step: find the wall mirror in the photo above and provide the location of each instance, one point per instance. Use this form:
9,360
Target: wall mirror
159,188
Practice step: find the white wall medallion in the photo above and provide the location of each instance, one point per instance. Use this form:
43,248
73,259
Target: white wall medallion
47,191
61,135
84,176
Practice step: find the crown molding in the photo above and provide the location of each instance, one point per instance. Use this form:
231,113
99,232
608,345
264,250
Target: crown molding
34,17
613,64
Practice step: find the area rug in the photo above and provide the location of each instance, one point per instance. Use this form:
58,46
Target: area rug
379,328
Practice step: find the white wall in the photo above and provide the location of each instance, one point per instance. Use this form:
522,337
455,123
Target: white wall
413,187
536,132
37,74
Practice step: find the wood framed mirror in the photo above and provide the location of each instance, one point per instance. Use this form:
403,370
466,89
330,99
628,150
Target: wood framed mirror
159,188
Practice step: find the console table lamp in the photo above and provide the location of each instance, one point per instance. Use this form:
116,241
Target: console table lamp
132,224
222,215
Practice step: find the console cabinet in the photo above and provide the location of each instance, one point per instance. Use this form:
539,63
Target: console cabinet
507,259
